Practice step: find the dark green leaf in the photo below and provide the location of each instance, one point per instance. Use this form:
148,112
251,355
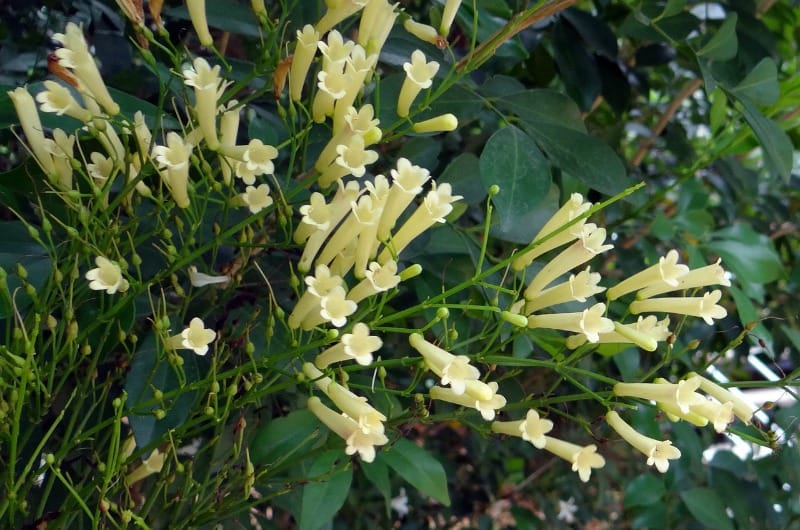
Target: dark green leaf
723,45
465,104
706,506
501,86
644,490
378,474
233,17
760,85
322,499
17,247
576,67
582,156
544,106
777,147
594,32
511,160
749,255
464,174
672,7
654,54
282,436
418,468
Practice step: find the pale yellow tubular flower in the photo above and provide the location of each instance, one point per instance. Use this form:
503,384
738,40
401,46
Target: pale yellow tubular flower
590,322
58,99
258,7
719,414
337,11
646,333
407,182
531,429
487,402
197,14
667,271
376,23
208,88
32,127
332,86
424,32
362,212
75,56
62,150
377,279
304,52
741,408
356,407
674,413
448,16
359,122
318,286
344,260
107,276
712,274
589,244
201,279
316,217
110,140
437,204
658,453
334,309
173,160
682,394
228,131
194,337
419,76
442,123
100,168
582,458
353,159
153,464
357,67
256,198
454,370
573,208
705,306
358,345
349,430
335,52
578,288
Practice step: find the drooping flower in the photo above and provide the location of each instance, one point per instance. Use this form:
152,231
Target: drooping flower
32,126
658,453
153,464
531,429
304,52
58,99
589,322
705,306
682,394
195,337
454,370
358,345
107,276
583,458
358,439
208,88
667,271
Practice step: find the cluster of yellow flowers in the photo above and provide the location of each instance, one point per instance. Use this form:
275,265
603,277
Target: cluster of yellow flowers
354,230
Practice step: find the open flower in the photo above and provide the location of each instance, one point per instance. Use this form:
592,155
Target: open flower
681,394
153,464
658,453
590,322
482,397
208,88
419,75
705,306
712,274
531,429
583,458
256,198
358,439
667,272
57,98
195,337
358,345
454,370
304,52
107,276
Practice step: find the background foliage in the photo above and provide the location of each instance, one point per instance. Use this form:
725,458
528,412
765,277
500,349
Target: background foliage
699,101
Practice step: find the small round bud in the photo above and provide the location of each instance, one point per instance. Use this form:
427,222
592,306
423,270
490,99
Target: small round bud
494,189
249,348
332,334
209,411
158,395
50,459
159,414
442,313
215,387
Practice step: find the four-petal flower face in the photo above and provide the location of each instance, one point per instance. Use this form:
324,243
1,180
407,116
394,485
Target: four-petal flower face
196,337
107,276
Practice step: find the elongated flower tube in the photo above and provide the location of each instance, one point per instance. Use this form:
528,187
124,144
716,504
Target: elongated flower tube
419,76
201,279
57,98
228,131
674,414
376,23
442,123
75,55
454,370
153,464
590,322
256,159
377,279
646,333
359,122
358,345
316,216
332,86
573,208
61,149
531,429
334,309
356,407
337,11
486,407
438,203
407,183
578,288
588,245
32,127
719,414
339,206
304,52
704,306
667,271
318,286
682,394
448,16
741,408
353,160
357,67
712,274
582,458
658,453
197,14
335,52
208,87
174,167
425,32
349,430
195,337
364,213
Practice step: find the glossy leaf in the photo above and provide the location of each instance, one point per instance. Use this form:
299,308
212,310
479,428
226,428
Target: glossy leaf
777,147
750,255
723,45
707,507
17,247
576,67
544,106
760,85
418,468
281,436
512,161
644,490
323,498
